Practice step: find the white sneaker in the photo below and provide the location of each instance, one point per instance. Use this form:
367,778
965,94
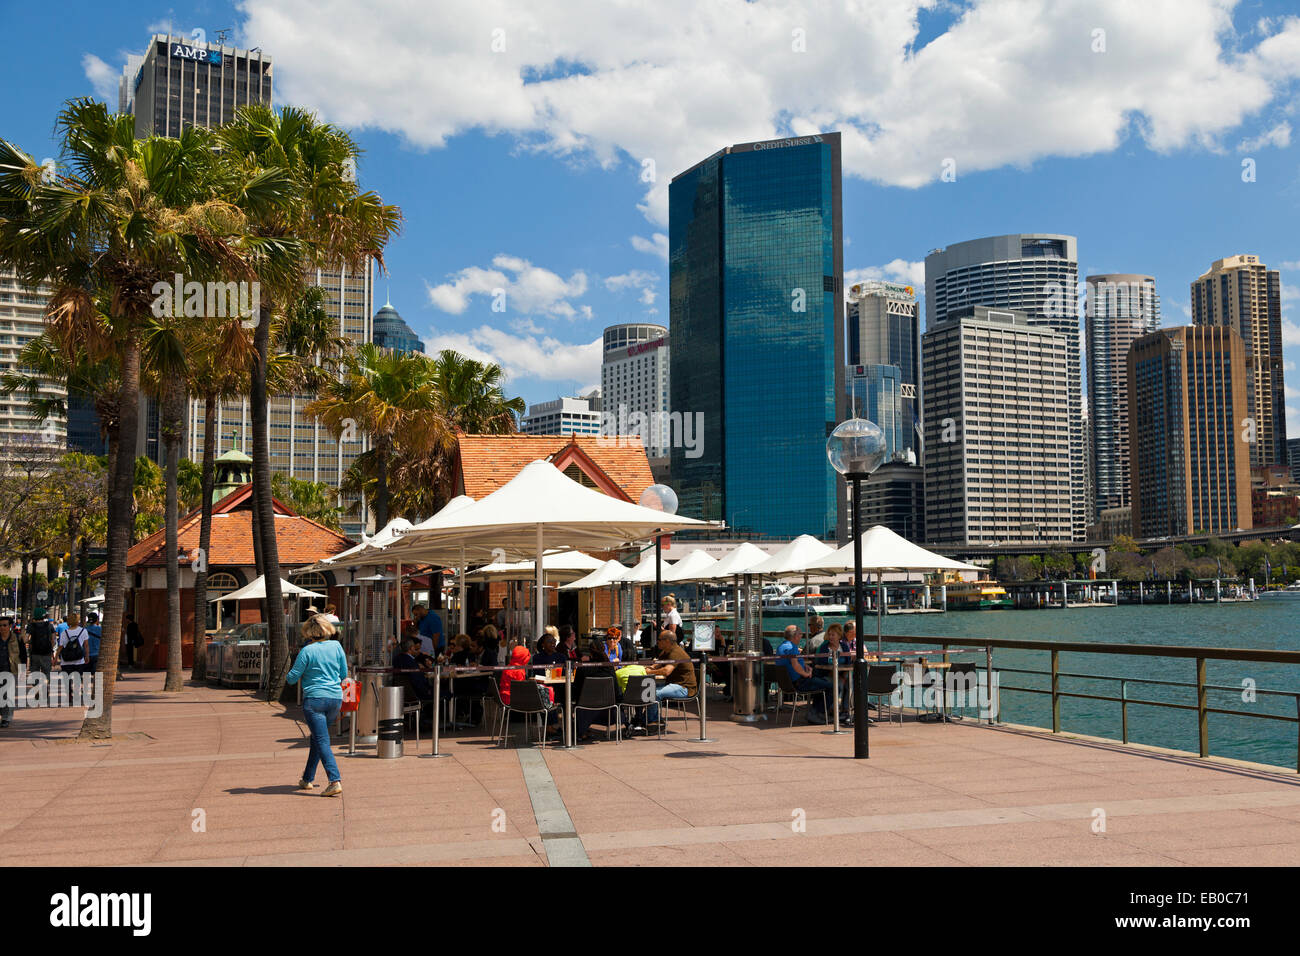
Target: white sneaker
304,784
333,790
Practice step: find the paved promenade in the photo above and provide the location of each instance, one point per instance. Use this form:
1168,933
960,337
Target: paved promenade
207,777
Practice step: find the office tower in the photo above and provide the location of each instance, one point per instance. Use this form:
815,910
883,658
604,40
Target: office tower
179,83
1121,307
884,329
894,496
875,392
1189,461
997,430
756,299
1033,273
22,318
1240,292
634,385
564,416
1293,455
392,332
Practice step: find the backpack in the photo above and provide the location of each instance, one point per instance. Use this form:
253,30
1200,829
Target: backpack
73,647
41,633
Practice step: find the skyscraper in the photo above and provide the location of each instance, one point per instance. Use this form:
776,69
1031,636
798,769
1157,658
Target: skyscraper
22,318
756,294
564,416
997,430
179,83
1190,464
634,382
392,332
1120,308
1033,273
884,329
1240,292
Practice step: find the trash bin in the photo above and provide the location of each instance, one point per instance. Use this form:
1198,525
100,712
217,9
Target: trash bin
371,682
390,722
744,689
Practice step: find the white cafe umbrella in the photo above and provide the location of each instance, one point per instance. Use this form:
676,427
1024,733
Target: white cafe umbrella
558,565
792,559
256,590
392,550
643,572
542,509
611,572
884,550
739,561
696,566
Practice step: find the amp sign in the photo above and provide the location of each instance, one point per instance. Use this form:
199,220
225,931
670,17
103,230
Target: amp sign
185,52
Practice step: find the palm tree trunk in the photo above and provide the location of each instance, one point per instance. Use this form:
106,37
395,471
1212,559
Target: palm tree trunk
173,410
120,518
274,606
205,537
381,491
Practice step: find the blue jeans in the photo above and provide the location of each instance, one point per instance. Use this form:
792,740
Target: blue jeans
320,712
811,685
668,691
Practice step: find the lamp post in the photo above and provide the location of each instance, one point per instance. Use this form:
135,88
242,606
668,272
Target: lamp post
660,498
856,448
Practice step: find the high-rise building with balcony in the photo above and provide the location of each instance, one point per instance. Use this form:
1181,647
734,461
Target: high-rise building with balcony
1189,461
1242,293
884,329
22,318
1033,273
756,301
997,430
1120,309
634,385
564,416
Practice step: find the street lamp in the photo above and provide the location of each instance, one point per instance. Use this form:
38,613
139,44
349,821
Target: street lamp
660,498
856,448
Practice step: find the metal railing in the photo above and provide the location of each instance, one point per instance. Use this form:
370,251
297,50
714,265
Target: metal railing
1201,686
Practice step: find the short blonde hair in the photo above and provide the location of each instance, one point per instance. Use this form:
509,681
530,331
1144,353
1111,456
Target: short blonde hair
318,626
670,600
552,630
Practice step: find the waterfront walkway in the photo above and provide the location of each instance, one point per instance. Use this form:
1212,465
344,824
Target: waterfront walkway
207,777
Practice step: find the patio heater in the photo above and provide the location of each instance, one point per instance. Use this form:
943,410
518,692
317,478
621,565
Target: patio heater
856,448
659,498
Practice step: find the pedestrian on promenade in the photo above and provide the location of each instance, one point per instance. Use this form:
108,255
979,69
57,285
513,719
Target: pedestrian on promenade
134,639
73,646
96,635
12,654
321,666
41,643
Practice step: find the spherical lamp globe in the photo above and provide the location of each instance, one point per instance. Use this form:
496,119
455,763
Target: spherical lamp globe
856,447
660,498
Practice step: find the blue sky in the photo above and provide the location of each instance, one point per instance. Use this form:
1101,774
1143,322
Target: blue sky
517,137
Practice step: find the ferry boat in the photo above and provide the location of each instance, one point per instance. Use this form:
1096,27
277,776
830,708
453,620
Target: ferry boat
1292,590
978,596
780,599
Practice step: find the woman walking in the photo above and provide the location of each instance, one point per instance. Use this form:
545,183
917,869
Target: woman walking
321,665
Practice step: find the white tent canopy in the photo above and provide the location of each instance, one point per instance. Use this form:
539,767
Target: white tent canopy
644,571
696,566
793,558
742,559
256,590
538,510
611,572
556,565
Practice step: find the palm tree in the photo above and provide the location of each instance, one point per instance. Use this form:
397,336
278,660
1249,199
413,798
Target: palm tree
474,397
119,216
393,398
315,216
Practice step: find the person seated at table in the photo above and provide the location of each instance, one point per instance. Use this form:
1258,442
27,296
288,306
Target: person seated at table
676,666
410,672
569,646
517,670
621,675
802,676
613,649
833,647
547,655
816,632
462,653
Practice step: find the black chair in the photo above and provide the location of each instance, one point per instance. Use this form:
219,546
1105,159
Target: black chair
962,678
785,687
527,697
468,688
598,693
640,694
683,702
881,685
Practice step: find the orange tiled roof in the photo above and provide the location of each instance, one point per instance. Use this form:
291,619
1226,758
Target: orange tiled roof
489,461
301,540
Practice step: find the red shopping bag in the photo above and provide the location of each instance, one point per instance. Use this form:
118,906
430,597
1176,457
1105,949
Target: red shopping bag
351,697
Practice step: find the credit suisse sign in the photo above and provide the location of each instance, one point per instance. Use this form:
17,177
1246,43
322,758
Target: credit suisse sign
184,51
646,347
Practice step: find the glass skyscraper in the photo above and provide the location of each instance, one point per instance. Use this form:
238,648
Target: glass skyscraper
756,266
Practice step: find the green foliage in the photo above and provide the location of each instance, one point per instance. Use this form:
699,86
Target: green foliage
311,499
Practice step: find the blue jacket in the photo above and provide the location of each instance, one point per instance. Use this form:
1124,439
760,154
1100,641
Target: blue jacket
321,666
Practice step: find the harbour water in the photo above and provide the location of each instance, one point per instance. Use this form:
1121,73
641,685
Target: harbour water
1270,623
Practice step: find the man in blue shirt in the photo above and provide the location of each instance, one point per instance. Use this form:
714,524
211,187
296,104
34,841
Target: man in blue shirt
96,634
432,641
801,676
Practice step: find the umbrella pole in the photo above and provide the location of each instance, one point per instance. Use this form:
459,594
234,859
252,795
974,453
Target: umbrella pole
540,596
880,607
805,601
398,623
460,611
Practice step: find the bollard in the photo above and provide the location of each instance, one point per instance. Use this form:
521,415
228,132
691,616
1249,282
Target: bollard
390,723
835,693
568,705
702,690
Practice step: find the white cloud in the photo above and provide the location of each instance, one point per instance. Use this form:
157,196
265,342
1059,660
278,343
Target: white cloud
896,270
672,81
1290,332
529,290
525,356
103,78
636,279
1279,136
1292,266
655,246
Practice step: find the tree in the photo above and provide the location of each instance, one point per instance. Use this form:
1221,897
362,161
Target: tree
311,499
30,510
292,177
116,217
